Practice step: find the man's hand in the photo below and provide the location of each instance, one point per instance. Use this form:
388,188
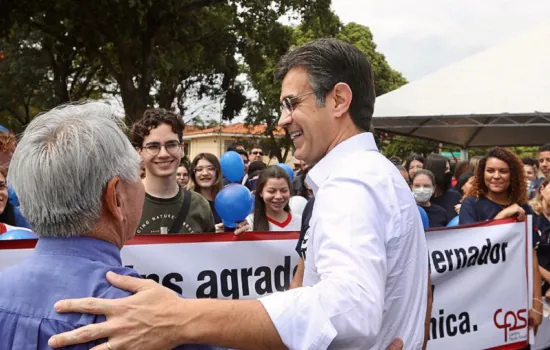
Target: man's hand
396,344
242,227
141,321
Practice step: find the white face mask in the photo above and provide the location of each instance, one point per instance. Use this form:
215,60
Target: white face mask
423,194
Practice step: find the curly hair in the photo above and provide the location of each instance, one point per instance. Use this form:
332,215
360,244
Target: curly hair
517,192
151,119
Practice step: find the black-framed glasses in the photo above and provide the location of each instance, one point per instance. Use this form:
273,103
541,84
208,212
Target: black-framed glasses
154,148
208,169
3,186
288,103
258,153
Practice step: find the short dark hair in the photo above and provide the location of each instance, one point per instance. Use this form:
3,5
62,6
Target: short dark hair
329,62
233,146
544,148
530,161
242,152
151,119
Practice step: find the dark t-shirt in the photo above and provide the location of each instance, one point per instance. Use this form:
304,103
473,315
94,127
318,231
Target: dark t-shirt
477,210
306,217
217,218
541,228
159,214
541,236
437,216
448,201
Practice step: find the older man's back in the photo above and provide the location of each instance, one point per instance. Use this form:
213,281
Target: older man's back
59,268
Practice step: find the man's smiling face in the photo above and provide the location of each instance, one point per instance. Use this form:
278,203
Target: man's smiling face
164,163
309,124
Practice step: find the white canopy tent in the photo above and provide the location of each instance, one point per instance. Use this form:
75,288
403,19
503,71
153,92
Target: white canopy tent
500,96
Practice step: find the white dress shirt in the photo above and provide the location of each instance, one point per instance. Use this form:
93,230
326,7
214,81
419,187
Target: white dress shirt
366,267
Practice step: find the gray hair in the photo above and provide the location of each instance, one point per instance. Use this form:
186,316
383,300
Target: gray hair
63,163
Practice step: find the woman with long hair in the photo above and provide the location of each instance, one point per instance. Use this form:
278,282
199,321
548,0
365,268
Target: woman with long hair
9,214
499,191
541,229
444,195
413,164
206,178
271,209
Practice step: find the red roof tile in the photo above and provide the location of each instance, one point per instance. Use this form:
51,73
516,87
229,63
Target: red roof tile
238,128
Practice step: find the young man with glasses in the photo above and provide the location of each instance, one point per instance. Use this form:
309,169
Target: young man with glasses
168,207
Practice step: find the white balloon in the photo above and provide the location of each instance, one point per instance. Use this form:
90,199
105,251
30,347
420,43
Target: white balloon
297,204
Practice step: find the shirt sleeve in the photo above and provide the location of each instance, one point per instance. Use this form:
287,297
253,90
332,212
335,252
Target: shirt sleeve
344,309
467,213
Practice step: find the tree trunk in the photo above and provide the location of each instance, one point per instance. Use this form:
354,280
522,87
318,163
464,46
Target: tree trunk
134,104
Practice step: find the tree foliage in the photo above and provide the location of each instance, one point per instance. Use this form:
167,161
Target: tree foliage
154,52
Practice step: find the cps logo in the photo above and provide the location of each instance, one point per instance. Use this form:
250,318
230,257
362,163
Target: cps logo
510,321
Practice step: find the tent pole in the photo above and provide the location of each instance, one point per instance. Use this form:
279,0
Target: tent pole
464,153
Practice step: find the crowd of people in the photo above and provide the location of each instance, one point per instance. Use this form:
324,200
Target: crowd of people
86,191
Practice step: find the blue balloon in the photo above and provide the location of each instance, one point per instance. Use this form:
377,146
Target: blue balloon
229,224
424,217
288,170
453,222
233,204
4,129
232,166
17,234
12,197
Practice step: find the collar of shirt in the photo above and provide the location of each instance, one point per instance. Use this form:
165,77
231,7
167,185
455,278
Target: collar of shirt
85,247
323,168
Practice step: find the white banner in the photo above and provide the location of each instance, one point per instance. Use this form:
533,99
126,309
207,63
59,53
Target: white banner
479,275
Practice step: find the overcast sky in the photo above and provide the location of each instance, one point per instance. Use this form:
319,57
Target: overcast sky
421,36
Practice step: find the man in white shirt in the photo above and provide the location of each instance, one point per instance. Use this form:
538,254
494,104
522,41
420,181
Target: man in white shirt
365,278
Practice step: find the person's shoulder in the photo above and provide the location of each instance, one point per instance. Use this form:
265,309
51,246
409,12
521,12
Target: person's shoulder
197,198
470,200
438,208
112,292
453,193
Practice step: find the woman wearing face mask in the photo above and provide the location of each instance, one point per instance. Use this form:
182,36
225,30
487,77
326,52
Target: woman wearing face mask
499,191
541,222
271,209
10,216
444,195
207,179
423,188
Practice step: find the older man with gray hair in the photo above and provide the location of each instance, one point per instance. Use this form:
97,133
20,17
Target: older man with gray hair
77,176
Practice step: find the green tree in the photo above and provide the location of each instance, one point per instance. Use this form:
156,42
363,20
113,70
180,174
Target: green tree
156,51
39,73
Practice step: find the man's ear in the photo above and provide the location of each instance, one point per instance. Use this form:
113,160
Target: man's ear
342,97
112,198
